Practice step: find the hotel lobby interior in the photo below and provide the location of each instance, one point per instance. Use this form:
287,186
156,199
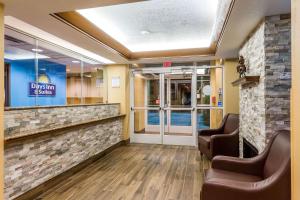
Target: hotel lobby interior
150,100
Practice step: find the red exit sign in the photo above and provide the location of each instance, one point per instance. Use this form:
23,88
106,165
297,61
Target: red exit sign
167,64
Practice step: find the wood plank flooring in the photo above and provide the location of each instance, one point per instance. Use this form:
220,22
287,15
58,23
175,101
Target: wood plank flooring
136,172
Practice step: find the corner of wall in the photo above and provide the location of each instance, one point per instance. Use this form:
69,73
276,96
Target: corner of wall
119,95
231,93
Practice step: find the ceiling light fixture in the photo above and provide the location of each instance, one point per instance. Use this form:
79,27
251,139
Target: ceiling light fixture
145,32
75,61
37,50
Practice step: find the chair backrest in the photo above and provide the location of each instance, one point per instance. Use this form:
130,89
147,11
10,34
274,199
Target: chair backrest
279,154
231,124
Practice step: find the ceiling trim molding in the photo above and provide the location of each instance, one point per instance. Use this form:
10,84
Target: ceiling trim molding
69,22
220,37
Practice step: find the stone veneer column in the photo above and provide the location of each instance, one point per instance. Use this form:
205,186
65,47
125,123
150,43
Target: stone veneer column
252,101
278,73
264,108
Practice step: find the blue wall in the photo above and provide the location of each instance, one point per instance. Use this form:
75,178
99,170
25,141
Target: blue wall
22,72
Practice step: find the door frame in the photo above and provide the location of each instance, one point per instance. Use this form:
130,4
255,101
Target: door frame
162,138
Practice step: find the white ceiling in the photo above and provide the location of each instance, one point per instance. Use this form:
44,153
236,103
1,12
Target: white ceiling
158,24
37,13
244,18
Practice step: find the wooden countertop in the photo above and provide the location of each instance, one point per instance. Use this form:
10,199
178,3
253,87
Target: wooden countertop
57,130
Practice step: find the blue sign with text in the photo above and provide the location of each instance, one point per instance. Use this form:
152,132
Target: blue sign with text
42,89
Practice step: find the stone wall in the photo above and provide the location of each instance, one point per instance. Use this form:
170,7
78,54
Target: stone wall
278,73
20,121
264,108
252,99
31,162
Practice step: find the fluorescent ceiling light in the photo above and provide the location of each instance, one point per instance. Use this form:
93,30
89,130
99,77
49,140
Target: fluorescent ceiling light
13,53
158,24
75,61
37,50
23,57
32,30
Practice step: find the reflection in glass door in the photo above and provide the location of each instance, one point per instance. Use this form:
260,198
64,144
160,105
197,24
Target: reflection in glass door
146,107
178,104
179,107
209,97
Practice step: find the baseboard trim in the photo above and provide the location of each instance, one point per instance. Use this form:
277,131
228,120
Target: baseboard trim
127,141
37,191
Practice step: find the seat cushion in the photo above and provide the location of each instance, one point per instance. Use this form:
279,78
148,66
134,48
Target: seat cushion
204,141
227,175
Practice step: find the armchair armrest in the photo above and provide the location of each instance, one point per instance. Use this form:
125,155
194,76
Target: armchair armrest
216,189
251,166
209,132
225,144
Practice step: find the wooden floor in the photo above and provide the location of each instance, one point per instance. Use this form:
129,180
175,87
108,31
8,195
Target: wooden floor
138,172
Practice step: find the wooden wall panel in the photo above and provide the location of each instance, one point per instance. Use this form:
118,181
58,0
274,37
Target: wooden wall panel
295,107
1,99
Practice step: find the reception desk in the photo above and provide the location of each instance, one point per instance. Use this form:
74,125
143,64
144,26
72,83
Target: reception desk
44,143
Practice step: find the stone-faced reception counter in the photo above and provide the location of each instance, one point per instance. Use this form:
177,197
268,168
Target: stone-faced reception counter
44,142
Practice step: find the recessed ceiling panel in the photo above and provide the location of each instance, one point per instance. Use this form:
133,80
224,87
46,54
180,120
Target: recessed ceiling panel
157,24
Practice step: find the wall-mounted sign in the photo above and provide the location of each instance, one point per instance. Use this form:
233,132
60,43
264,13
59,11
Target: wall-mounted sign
220,103
167,64
206,90
42,89
115,82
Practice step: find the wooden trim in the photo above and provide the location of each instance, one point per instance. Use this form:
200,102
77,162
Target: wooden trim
1,100
127,141
295,97
19,139
173,53
81,24
62,106
35,192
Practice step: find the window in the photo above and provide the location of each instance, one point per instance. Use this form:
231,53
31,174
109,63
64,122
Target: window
38,73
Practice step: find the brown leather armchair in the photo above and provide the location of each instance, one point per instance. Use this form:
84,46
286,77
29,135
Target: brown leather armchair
221,141
265,177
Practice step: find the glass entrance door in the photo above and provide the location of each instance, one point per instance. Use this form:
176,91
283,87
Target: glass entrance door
146,107
169,105
179,106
